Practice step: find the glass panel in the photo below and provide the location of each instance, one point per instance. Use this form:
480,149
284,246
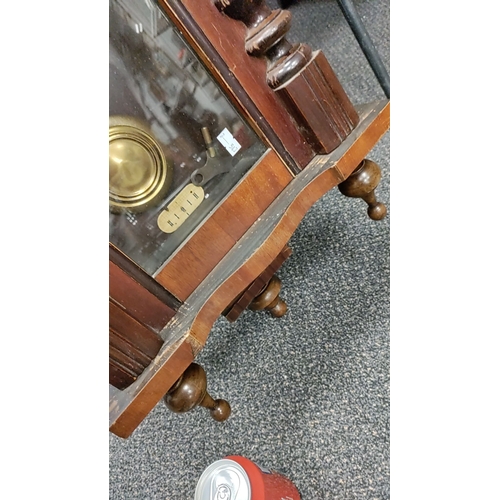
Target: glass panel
176,144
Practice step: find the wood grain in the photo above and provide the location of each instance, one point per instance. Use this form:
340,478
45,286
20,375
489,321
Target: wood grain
116,341
208,245
319,105
139,303
179,355
187,333
120,376
227,37
136,333
233,312
305,82
132,346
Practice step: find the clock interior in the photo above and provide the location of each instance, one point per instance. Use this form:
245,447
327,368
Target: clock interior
177,146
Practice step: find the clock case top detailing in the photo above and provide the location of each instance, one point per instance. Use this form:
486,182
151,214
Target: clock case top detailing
294,92
289,92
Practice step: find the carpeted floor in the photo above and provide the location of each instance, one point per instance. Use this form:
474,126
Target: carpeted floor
309,391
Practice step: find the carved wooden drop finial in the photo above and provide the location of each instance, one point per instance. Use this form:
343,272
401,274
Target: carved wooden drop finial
303,79
361,184
190,391
270,300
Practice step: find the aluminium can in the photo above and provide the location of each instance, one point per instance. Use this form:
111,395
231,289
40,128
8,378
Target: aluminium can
238,478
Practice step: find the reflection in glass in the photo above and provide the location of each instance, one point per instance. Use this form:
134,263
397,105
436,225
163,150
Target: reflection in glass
177,146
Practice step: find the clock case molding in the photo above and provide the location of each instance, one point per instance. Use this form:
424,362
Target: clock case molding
235,252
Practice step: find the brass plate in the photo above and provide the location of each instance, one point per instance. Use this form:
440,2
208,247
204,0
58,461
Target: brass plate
180,208
139,173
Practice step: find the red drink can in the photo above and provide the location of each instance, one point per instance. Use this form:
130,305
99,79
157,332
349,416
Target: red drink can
238,478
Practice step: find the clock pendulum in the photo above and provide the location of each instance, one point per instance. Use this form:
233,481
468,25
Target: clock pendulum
139,173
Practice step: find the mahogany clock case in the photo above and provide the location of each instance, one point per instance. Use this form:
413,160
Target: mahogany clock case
180,200
317,378
177,145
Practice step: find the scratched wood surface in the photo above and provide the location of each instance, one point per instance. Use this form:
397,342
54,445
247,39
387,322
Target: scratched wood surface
138,301
236,308
132,346
137,314
187,332
227,37
319,105
220,232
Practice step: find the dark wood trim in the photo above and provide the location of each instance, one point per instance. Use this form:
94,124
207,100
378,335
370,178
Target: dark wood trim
234,311
118,342
146,281
119,376
126,327
181,17
257,249
194,262
137,301
132,346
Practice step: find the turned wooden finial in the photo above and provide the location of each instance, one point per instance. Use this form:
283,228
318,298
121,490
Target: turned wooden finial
270,300
266,36
361,184
303,79
190,391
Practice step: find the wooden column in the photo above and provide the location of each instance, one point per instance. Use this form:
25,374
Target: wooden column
304,80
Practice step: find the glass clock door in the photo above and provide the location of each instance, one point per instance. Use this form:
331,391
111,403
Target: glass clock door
176,145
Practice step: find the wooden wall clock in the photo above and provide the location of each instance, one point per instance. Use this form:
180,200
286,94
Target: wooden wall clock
222,134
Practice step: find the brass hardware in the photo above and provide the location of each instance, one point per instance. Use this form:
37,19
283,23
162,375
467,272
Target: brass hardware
180,208
213,166
139,173
208,142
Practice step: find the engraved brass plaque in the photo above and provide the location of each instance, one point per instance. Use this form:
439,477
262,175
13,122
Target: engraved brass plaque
180,208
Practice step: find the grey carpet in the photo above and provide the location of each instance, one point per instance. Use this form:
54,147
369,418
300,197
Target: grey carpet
309,391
